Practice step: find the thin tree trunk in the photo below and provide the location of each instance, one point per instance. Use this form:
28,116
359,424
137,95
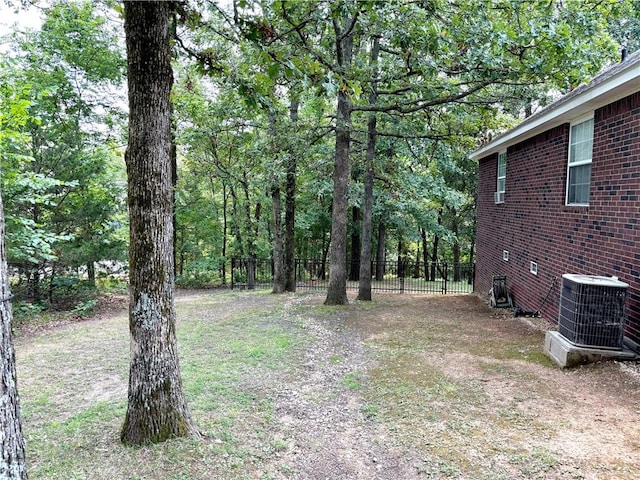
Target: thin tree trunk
276,218
364,283
237,231
354,264
278,254
434,252
91,273
337,291
251,235
456,246
12,460
290,207
156,409
425,253
416,267
380,252
225,202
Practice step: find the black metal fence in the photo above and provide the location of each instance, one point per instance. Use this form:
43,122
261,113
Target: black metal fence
392,276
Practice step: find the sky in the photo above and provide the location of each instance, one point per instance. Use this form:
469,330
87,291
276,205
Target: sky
25,19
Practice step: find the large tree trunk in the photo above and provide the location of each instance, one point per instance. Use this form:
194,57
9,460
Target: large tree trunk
290,208
364,283
157,409
337,291
12,461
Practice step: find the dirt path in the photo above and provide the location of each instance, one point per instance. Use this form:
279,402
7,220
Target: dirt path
405,387
474,398
321,413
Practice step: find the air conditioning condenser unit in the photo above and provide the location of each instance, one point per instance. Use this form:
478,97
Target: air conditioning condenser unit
592,311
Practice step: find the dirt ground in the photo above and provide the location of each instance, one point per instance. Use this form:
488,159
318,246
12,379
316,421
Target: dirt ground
521,417
418,387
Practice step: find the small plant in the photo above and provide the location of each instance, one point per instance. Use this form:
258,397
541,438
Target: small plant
369,411
24,311
352,380
85,308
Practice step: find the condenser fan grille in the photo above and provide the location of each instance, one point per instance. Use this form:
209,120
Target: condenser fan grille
592,311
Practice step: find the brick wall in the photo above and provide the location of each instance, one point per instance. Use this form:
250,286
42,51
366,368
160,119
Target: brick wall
534,224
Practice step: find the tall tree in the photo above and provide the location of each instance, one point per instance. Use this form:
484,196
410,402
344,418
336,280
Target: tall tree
157,409
364,283
344,31
290,205
64,193
12,461
12,455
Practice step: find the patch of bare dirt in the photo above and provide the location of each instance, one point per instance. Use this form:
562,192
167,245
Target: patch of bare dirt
480,401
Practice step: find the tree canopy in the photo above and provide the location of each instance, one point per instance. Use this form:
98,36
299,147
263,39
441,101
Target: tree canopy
292,138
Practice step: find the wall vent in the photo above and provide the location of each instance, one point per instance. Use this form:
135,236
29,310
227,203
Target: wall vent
592,311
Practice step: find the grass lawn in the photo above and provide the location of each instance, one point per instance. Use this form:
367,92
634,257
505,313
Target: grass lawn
283,387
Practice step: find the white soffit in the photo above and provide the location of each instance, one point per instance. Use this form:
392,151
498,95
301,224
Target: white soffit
594,95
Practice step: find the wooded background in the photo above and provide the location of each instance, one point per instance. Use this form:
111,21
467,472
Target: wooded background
298,126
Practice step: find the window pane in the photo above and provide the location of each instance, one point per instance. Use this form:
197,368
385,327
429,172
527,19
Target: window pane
579,179
502,171
581,146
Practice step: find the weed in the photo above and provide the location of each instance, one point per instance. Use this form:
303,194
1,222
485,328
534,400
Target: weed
369,411
352,380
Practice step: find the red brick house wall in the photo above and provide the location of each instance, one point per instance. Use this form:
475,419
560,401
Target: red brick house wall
534,224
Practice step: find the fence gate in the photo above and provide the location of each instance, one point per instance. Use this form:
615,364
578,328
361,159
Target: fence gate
391,276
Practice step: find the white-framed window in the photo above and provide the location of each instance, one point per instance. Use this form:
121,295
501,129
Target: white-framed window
505,255
502,177
579,163
533,268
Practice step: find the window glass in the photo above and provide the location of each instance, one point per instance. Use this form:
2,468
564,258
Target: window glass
502,171
579,165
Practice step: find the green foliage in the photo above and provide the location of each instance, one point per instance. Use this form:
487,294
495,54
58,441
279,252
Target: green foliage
62,175
23,311
85,308
449,72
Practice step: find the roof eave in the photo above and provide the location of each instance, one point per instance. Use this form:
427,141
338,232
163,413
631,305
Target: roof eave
622,84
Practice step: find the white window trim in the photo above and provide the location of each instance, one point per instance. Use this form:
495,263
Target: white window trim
500,193
533,267
574,122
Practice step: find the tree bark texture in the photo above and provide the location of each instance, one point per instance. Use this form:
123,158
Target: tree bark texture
12,462
337,290
364,280
290,208
276,219
278,254
354,263
380,252
157,409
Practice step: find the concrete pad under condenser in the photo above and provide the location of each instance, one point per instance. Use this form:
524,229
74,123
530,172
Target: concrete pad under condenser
567,355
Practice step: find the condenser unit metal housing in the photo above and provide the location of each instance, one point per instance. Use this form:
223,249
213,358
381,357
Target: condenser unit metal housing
592,311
